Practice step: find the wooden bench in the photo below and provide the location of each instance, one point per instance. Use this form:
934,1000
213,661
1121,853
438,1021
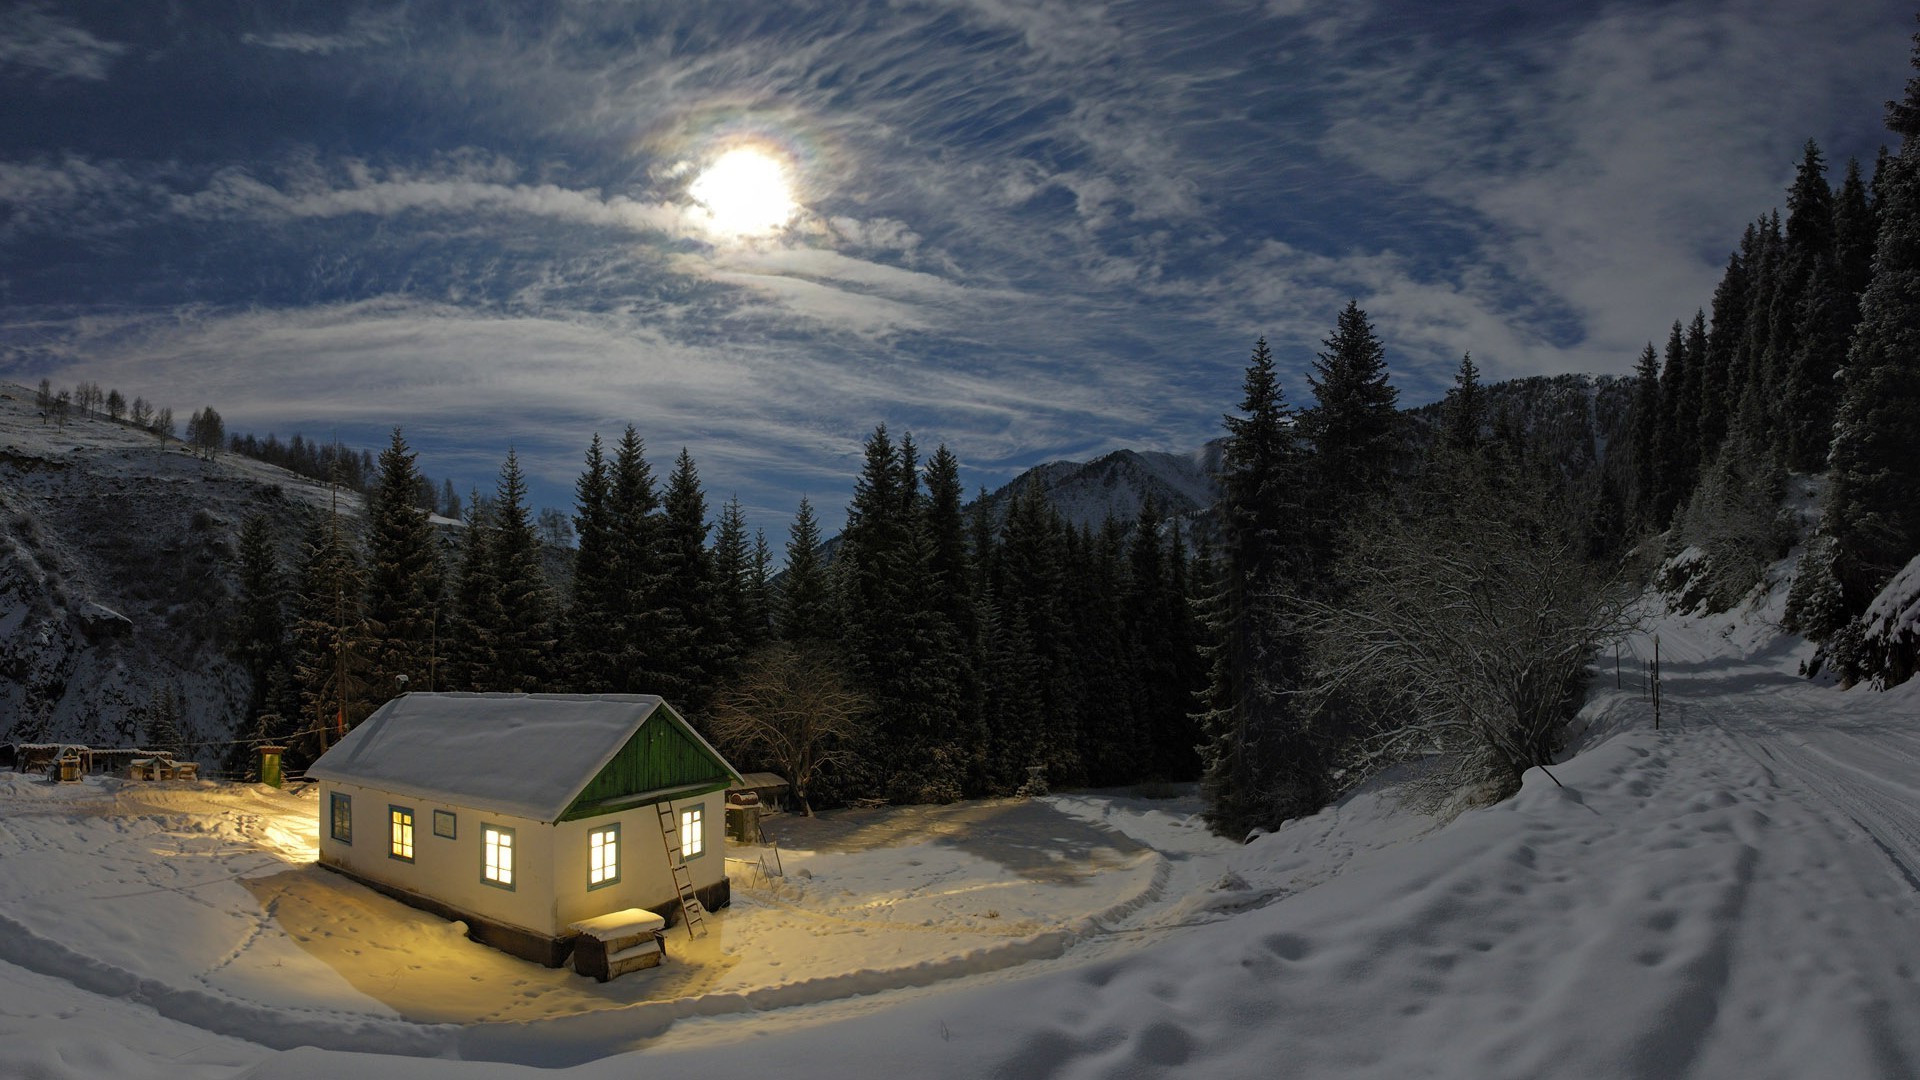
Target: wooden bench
619,942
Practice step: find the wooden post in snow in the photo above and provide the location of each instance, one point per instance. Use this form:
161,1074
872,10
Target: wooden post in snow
1656,682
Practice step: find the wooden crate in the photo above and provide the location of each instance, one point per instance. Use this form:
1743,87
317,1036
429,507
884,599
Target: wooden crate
614,944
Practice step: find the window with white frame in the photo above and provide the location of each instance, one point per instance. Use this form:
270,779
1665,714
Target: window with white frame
401,833
496,856
693,835
603,856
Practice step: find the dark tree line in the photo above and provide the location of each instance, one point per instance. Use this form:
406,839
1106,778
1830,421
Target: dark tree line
986,656
1808,362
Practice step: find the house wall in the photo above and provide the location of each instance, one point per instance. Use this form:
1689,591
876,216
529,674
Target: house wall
646,880
550,864
447,871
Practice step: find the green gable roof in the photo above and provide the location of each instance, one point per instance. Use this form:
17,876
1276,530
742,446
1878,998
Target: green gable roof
664,759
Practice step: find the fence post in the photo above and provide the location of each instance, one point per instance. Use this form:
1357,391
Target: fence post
1656,682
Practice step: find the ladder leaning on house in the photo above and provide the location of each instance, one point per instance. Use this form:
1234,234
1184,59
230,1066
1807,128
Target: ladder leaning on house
691,912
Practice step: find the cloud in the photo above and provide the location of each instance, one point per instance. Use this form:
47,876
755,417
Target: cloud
1613,167
53,46
364,29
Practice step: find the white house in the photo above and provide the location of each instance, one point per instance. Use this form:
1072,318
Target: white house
520,814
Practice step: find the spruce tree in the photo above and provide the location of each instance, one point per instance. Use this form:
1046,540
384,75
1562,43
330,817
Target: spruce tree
731,608
523,640
590,645
760,591
1353,426
1809,395
260,621
1872,509
1464,413
1853,232
1718,373
1644,433
805,604
1260,765
636,569
1675,441
1029,585
332,665
688,654
1753,383
404,579
474,626
899,648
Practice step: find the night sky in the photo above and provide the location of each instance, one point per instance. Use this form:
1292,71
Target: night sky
1030,229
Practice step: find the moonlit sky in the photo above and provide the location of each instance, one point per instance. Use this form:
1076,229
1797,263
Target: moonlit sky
1030,229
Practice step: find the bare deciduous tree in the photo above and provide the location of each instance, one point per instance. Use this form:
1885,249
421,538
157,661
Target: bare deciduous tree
794,708
1466,639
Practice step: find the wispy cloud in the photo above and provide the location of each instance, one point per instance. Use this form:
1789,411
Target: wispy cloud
1030,229
362,30
51,46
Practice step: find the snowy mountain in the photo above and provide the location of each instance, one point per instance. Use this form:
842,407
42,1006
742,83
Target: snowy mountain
116,567
1118,484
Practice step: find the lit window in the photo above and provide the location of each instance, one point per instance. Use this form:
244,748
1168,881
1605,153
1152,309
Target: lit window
444,824
340,813
692,832
496,845
401,830
603,856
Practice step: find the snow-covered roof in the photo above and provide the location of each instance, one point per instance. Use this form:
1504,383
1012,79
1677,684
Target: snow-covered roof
527,755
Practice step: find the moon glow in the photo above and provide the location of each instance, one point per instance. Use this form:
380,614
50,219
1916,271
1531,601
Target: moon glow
745,192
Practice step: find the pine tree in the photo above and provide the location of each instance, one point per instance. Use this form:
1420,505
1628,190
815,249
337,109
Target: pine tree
1872,509
636,569
1853,232
1678,435
1809,395
332,665
163,729
404,579
1465,412
1165,641
1644,431
900,650
1752,384
1354,427
806,604
590,645
1029,585
1259,764
731,609
1718,378
523,640
260,621
473,629
760,591
687,648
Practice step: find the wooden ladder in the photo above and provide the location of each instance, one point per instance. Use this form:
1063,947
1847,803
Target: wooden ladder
691,913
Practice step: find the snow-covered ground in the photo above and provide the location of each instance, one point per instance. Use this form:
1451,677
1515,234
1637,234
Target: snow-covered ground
1733,895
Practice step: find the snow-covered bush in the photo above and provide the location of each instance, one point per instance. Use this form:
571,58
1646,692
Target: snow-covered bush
1465,639
1890,630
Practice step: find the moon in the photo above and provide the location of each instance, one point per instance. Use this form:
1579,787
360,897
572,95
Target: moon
746,193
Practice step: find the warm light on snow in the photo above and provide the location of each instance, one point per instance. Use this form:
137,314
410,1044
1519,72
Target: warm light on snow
746,193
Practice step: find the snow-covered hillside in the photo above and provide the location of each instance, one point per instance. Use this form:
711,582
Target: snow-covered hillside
1118,484
116,561
1729,896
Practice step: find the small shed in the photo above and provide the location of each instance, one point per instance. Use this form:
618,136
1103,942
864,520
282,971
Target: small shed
770,788
523,814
